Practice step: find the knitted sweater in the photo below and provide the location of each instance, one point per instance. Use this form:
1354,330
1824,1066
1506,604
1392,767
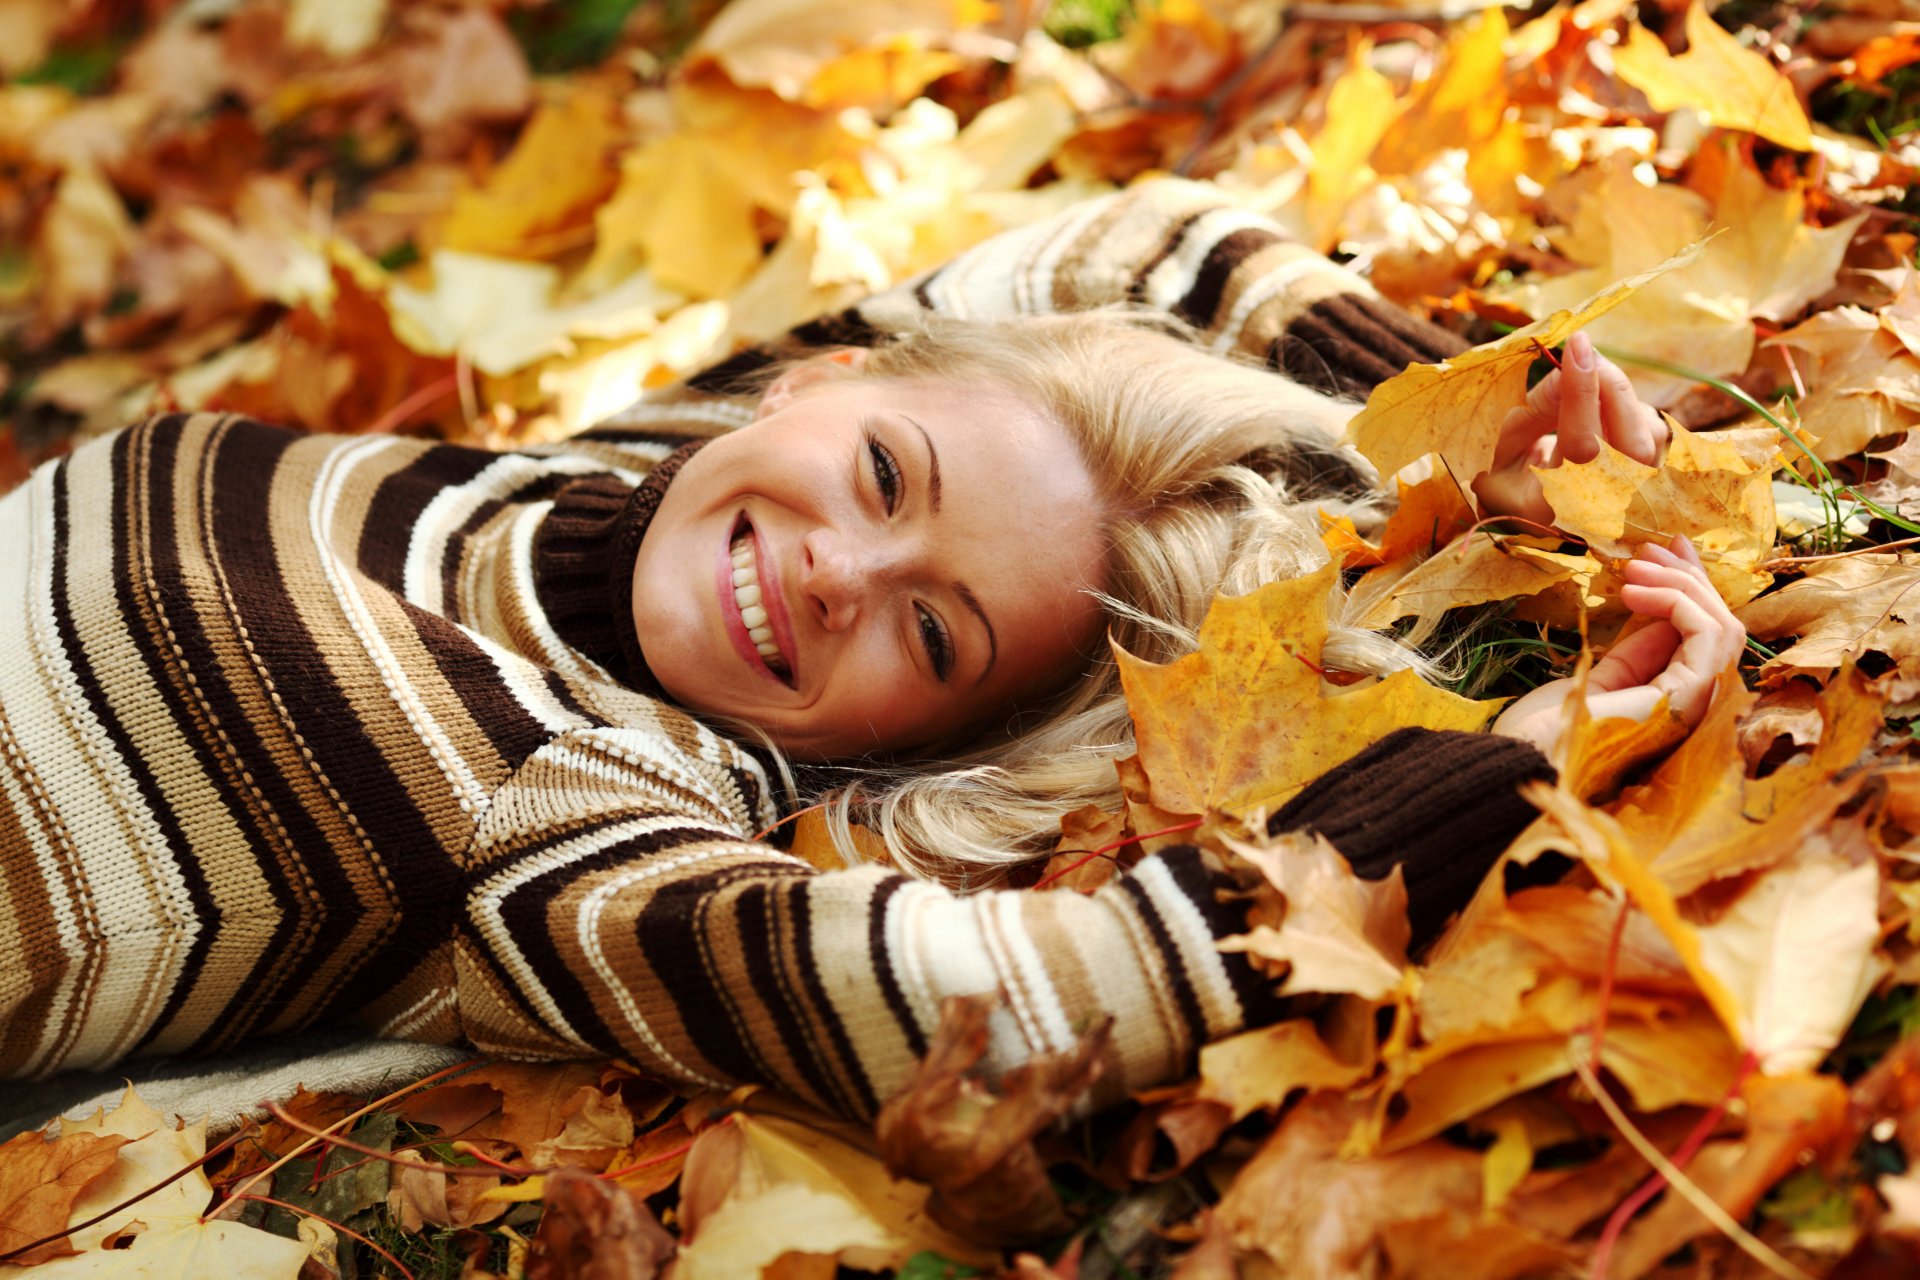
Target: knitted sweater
304,728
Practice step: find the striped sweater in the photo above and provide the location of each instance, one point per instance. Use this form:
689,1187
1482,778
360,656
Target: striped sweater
302,728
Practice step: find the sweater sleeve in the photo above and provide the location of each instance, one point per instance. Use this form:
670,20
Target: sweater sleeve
1168,244
613,906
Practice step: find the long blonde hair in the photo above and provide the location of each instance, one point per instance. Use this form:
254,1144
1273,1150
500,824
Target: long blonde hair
1203,464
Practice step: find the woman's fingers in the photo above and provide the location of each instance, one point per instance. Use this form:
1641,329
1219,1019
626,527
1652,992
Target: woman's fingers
1632,426
1579,387
1672,585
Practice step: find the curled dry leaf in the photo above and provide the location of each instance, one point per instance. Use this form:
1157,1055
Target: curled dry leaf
1338,934
595,1230
1245,722
1839,612
973,1142
1261,1069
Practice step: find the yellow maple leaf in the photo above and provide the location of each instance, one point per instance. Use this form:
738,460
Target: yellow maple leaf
1462,107
1244,723
1339,934
542,197
1455,408
1481,569
1733,86
1707,489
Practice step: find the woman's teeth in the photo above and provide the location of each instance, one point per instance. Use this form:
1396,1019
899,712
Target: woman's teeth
746,594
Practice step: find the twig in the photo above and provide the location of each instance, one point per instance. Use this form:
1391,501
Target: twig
1046,880
451,1170
1683,1186
1782,562
337,1226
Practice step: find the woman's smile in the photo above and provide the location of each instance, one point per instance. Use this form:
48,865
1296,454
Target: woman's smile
897,564
753,606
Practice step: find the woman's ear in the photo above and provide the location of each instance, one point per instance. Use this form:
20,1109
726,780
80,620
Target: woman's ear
828,364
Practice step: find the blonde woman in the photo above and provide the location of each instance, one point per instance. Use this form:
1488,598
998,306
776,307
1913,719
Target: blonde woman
483,748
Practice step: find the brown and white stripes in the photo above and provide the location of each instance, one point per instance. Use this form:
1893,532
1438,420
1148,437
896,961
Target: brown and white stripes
293,729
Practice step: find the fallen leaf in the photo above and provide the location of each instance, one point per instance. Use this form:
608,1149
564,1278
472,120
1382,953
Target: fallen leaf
973,1143
1705,489
1244,723
1864,383
785,44
40,1178
1482,568
1455,408
592,1229
541,200
459,67
1261,1069
1733,86
1840,611
162,1231
1339,934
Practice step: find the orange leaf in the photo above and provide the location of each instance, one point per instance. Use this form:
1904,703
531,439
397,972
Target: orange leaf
1734,86
40,1178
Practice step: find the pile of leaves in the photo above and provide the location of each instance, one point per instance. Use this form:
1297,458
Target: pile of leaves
1678,1030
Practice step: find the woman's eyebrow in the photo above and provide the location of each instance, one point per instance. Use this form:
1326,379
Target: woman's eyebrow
972,602
933,479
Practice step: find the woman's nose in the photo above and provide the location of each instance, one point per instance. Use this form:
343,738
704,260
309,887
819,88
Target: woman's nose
841,574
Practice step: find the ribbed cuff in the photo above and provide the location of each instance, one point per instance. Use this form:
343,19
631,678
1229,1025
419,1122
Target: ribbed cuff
1440,804
1351,343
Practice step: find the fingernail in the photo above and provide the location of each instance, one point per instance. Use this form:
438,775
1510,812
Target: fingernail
1681,545
1580,351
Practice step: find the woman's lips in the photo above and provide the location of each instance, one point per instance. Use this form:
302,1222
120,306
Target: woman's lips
778,620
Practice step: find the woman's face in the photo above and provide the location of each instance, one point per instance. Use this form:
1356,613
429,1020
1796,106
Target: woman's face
872,566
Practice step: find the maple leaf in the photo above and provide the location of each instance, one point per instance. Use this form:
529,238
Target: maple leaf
1731,85
1864,383
1483,568
1456,408
547,188
40,1178
1841,610
1707,489
1339,933
1762,260
1261,1069
1244,722
167,1230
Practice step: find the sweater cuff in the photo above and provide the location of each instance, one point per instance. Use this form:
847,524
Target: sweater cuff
1350,343
1442,805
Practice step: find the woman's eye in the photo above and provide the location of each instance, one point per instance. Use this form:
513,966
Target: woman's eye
886,474
934,637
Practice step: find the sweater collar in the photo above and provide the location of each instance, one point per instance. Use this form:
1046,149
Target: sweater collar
583,557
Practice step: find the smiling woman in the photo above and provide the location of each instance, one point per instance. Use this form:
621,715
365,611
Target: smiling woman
485,748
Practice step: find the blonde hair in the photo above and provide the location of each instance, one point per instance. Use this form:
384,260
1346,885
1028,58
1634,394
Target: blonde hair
1202,463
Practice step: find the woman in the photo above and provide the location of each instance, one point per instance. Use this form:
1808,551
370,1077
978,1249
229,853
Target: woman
471,746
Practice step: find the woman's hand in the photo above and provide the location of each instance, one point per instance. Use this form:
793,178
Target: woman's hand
1679,656
1567,414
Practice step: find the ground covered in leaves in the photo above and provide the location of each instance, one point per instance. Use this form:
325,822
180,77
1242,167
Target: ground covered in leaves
1696,1053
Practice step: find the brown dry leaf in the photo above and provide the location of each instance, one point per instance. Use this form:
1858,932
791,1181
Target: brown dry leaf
1864,382
460,67
1315,1215
1165,1138
1735,87
1455,408
83,238
1707,489
1840,611
1261,1069
1339,934
536,1098
1075,865
974,1143
1244,723
1483,568
592,1229
40,1178
542,199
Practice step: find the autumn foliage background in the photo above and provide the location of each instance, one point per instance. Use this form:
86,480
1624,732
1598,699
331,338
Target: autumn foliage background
1694,1053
